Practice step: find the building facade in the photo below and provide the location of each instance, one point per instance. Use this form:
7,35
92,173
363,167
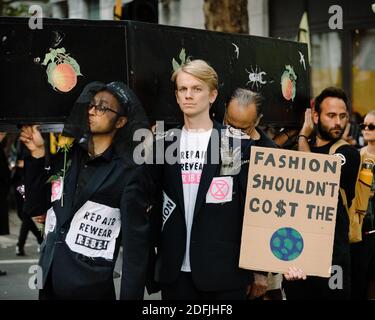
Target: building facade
342,50
339,57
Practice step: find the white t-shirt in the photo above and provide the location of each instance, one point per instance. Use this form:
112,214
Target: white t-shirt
193,149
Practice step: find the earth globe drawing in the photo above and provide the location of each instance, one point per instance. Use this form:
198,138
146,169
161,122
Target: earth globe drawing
286,244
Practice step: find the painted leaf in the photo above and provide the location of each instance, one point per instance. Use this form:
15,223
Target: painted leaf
175,65
294,91
60,50
47,58
183,55
292,74
53,54
49,71
74,65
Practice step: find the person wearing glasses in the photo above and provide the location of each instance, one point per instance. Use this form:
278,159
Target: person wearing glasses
321,129
363,252
97,199
243,114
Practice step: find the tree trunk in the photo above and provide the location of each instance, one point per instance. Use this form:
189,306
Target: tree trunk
226,16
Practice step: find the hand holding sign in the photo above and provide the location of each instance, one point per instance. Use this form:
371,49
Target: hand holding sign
294,274
290,212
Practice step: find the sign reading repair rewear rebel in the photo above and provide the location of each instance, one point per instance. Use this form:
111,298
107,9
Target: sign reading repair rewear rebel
290,211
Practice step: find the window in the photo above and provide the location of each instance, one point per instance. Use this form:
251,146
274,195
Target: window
93,8
363,71
326,61
60,9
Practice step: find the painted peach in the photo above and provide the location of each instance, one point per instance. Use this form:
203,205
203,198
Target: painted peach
287,88
64,77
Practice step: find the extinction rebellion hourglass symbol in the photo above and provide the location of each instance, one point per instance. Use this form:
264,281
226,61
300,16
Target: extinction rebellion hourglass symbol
219,189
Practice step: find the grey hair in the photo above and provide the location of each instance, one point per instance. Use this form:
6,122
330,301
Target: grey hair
245,97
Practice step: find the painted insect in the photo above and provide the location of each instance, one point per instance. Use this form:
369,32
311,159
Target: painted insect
256,77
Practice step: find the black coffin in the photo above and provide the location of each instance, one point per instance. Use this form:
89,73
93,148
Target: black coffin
141,55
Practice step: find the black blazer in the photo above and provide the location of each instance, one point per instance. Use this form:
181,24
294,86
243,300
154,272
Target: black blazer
115,183
216,230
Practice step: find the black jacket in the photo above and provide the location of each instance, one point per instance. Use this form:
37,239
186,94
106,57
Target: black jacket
115,184
4,173
216,230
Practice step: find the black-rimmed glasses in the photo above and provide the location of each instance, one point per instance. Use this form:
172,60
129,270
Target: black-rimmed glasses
101,110
370,126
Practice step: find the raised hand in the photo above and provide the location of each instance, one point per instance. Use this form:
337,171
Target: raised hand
308,125
33,140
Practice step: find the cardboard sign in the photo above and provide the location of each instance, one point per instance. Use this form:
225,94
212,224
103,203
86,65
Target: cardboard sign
290,211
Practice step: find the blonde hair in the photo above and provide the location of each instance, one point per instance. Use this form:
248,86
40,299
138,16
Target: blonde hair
201,70
371,113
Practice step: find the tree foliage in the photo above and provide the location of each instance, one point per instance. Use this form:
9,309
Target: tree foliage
226,16
16,8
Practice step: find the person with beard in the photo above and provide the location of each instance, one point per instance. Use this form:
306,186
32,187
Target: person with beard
322,128
98,203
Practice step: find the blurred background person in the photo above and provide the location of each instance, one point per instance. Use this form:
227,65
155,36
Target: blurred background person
363,252
19,195
4,188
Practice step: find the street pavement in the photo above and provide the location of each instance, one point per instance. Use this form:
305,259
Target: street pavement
18,284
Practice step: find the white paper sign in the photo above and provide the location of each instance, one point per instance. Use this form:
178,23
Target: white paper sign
220,190
93,230
50,221
168,207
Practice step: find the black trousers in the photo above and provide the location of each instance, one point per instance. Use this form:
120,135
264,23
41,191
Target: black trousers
26,225
4,214
185,289
363,266
316,288
47,293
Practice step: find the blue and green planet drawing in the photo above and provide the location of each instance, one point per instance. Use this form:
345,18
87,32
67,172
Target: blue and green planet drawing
286,244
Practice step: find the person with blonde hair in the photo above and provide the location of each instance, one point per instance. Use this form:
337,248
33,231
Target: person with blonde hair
201,202
363,252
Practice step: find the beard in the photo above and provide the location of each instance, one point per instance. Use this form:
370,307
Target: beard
327,134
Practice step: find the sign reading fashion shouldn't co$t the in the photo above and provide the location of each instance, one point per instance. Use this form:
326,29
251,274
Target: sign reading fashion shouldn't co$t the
290,211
